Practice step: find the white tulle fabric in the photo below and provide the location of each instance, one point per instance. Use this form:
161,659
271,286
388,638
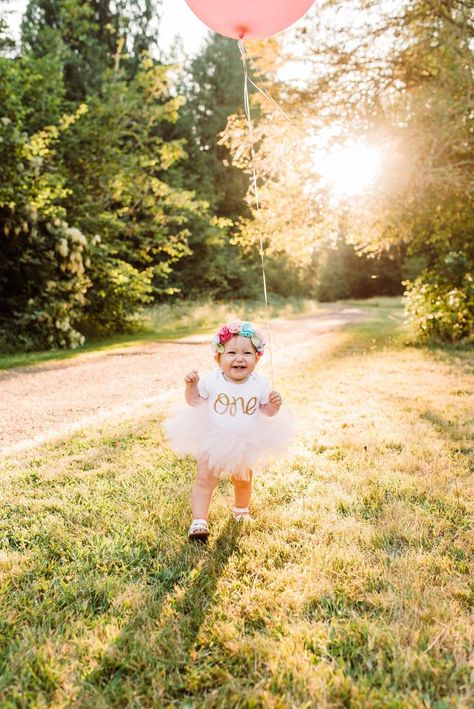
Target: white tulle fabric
190,431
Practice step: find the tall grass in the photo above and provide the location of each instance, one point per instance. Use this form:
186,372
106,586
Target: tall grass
182,315
352,587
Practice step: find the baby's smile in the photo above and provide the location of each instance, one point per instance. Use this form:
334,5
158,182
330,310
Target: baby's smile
238,359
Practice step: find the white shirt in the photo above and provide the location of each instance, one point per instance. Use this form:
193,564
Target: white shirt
233,406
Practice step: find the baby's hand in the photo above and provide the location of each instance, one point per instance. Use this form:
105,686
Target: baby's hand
274,401
192,377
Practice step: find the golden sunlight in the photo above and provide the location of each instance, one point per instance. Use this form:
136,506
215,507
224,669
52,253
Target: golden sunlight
350,170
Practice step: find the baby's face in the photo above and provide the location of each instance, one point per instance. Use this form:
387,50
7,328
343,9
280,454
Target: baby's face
238,360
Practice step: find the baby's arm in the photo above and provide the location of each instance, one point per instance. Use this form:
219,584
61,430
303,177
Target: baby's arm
191,391
272,407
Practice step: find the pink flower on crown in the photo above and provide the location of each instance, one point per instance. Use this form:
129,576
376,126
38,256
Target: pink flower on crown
224,335
234,326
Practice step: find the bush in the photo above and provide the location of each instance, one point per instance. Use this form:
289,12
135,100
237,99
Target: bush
43,284
440,311
115,302
44,258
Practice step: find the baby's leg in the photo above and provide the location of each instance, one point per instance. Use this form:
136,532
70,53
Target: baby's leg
242,491
204,486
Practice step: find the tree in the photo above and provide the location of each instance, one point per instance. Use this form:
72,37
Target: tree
86,35
7,43
213,90
399,75
428,188
93,217
117,166
42,269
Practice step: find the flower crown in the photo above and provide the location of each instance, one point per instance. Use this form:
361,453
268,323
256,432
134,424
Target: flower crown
238,327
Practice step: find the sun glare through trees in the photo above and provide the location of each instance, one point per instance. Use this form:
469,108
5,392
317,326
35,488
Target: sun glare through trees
350,170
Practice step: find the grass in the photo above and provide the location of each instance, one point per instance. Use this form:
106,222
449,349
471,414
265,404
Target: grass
168,321
351,588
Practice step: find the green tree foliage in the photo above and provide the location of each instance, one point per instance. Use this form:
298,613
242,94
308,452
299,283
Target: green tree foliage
42,269
213,89
442,311
6,41
85,35
82,33
93,215
341,272
43,258
117,165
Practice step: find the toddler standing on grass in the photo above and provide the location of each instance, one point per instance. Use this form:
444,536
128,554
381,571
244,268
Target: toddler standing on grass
233,422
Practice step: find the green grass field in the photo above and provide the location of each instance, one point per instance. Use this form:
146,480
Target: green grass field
352,587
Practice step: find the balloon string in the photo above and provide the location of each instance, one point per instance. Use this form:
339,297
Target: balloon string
272,100
247,80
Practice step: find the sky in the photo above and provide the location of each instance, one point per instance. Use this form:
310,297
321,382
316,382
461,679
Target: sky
177,19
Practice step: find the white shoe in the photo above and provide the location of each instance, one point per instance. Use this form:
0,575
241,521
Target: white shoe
199,530
241,514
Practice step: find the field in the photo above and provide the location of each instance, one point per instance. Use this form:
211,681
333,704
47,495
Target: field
352,587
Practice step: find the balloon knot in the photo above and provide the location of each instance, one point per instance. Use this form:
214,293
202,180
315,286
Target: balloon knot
242,31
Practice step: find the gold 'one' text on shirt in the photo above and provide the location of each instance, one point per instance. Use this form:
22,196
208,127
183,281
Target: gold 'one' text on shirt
225,404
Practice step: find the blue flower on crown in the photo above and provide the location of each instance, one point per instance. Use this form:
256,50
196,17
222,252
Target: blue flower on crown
247,329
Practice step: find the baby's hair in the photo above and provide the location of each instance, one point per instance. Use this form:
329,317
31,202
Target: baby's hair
244,328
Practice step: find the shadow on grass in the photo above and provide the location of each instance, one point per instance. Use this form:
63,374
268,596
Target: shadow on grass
459,355
457,433
155,649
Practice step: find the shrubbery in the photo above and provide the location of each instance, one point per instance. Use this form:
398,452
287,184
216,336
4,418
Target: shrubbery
440,311
91,216
44,259
114,304
45,292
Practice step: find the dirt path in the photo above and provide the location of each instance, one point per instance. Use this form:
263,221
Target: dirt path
45,402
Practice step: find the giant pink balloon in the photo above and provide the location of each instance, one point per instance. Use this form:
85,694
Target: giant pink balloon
249,19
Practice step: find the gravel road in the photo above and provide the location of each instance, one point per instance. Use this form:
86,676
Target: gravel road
44,402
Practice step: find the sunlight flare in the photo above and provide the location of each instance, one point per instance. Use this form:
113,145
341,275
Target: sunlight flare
350,170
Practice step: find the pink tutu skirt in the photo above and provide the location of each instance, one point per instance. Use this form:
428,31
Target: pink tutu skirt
229,453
